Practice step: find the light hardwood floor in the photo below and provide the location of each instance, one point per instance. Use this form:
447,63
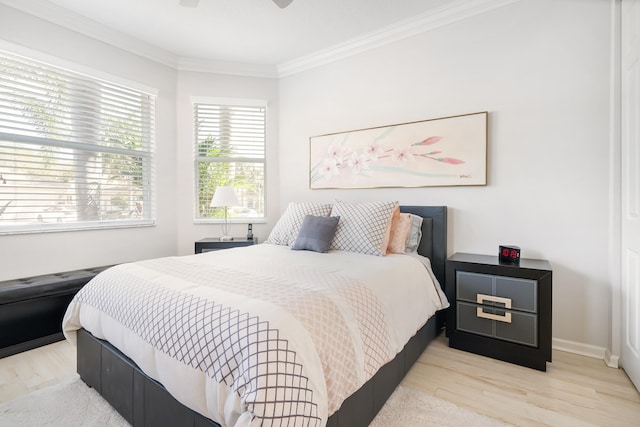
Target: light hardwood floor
575,390
35,369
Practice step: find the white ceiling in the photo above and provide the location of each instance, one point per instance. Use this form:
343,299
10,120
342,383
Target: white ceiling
249,32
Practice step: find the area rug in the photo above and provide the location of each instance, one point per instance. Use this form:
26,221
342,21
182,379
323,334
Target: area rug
411,408
75,404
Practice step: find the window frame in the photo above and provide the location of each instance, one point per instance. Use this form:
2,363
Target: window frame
147,155
238,102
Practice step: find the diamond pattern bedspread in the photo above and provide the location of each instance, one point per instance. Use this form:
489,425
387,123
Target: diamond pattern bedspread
278,341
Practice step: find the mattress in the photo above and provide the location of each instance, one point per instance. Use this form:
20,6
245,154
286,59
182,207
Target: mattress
260,335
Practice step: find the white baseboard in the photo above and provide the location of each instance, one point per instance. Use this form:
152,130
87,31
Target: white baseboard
588,350
611,359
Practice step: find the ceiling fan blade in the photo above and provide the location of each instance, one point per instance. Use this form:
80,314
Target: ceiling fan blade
282,3
189,3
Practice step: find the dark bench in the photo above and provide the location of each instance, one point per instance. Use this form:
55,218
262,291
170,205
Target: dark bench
31,309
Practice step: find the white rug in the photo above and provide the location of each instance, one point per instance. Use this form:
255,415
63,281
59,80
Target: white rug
410,408
73,404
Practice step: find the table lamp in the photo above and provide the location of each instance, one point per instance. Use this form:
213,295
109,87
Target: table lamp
224,197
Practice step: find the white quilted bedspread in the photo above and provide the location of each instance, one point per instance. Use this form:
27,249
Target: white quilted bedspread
260,335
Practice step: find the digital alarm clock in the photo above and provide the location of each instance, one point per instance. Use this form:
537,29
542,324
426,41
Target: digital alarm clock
509,254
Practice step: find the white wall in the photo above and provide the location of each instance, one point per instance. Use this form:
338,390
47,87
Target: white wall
541,69
194,84
175,233
32,254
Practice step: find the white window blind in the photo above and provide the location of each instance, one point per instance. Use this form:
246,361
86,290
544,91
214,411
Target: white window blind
230,151
75,151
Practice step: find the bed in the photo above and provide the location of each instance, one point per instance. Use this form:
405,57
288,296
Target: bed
134,390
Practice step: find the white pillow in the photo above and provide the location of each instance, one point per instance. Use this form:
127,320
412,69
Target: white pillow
288,226
363,227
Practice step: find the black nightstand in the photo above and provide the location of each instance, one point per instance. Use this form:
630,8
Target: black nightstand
499,310
214,244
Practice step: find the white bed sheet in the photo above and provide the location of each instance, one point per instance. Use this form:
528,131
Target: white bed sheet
403,286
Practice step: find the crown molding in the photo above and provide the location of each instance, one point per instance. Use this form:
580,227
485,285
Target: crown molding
451,12
226,67
72,21
447,14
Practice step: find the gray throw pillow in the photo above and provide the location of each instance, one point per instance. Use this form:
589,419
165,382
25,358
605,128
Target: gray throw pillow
316,233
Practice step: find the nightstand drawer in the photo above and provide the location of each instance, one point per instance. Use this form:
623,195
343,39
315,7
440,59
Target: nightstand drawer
521,293
471,284
512,325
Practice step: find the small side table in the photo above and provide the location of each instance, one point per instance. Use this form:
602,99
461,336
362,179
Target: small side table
500,311
214,244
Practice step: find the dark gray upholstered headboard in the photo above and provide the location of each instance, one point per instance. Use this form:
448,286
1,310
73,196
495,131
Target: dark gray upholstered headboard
434,236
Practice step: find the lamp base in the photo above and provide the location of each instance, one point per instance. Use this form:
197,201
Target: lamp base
226,238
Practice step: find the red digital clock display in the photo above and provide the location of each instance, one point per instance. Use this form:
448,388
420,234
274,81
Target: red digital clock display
509,254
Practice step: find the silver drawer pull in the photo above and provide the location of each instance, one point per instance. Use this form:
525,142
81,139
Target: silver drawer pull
481,298
506,318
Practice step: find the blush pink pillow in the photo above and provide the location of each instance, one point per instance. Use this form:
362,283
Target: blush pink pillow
387,233
400,226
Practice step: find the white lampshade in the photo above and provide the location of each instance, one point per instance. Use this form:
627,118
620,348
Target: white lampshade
224,196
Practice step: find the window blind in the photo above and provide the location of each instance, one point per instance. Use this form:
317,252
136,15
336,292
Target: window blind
230,151
75,151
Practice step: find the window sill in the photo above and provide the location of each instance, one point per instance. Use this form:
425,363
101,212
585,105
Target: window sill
57,228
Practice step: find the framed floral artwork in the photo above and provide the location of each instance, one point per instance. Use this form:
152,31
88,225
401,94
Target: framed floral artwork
435,152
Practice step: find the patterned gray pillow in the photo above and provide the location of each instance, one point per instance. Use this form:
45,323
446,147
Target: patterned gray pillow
288,226
363,226
316,233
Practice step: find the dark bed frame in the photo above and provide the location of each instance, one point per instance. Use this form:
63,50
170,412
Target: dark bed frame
143,401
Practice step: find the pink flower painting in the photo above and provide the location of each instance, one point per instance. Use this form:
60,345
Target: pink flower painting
447,151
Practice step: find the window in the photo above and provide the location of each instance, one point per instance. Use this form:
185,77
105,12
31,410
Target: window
230,151
76,152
